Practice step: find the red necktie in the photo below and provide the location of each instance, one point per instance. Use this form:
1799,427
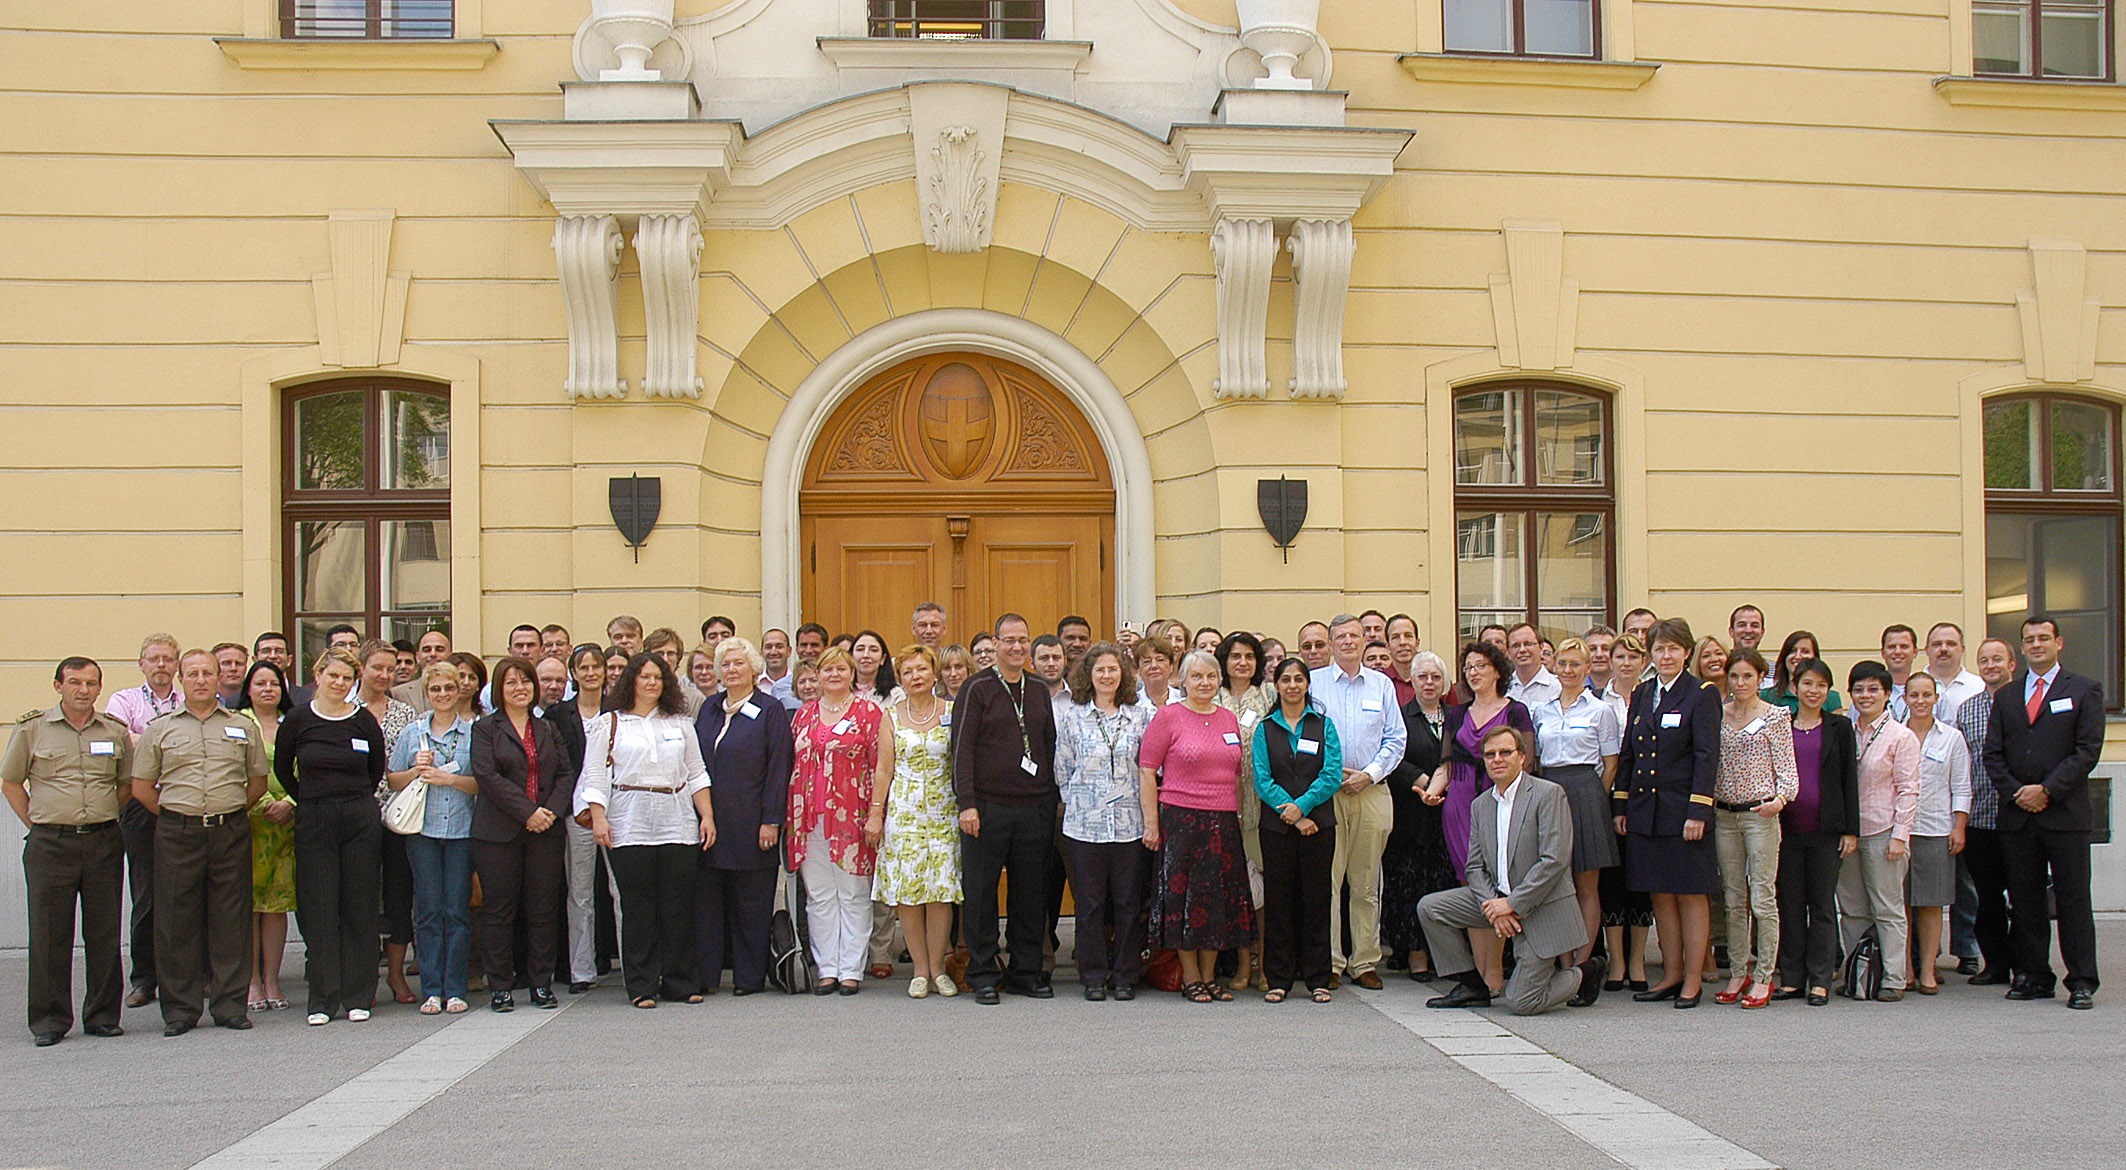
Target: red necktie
2037,699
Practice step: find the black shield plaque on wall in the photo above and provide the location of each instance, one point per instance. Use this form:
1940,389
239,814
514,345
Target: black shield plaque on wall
636,500
1283,504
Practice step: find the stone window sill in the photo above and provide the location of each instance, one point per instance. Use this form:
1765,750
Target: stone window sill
2031,93
1552,71
250,53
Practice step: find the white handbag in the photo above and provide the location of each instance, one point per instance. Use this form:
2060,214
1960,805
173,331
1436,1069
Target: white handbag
407,809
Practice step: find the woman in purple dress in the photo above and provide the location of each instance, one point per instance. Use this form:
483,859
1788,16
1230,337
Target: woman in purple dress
1460,776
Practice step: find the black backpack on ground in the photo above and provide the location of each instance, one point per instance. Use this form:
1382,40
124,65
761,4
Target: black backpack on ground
1863,968
790,965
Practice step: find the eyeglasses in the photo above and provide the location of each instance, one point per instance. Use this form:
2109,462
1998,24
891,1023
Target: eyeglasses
1502,753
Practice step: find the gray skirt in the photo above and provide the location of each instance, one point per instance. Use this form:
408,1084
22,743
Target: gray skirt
1931,880
1594,826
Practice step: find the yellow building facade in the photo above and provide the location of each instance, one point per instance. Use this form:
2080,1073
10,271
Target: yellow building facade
1813,307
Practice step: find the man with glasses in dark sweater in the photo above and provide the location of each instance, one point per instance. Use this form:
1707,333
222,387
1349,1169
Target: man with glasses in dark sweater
1003,770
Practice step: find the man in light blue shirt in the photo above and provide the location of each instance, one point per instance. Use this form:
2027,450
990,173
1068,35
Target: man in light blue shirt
1369,725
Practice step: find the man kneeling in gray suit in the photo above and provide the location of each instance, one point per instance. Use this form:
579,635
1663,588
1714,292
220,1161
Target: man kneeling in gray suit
1520,885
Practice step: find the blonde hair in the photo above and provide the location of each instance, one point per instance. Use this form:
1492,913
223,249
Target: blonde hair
832,655
737,645
917,650
440,668
339,654
1570,644
169,640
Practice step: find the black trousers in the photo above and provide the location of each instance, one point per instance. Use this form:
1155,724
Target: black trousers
520,877
1808,909
656,918
395,880
1016,839
137,825
1295,907
732,910
202,917
1108,878
1988,868
2033,855
338,847
62,869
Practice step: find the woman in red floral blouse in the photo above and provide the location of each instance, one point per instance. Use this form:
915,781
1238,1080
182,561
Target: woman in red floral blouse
844,758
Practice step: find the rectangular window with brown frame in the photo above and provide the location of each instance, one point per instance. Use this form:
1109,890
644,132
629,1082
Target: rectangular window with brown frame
367,19
1522,28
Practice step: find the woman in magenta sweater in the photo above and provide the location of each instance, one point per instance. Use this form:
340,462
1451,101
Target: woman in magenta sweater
1189,770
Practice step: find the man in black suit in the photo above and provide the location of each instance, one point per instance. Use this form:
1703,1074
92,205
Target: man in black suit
2044,738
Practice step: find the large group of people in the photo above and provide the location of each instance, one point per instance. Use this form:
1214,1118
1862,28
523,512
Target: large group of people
1227,816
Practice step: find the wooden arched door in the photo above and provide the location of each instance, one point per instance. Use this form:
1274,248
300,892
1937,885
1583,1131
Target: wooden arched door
961,479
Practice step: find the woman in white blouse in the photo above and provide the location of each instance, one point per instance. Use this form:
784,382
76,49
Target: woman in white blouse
1578,737
647,794
1944,791
1756,780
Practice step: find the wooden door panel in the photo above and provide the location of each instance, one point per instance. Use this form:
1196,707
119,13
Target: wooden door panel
1041,566
873,572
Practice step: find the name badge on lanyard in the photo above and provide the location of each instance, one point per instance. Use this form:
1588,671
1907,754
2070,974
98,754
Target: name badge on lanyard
1755,725
1027,766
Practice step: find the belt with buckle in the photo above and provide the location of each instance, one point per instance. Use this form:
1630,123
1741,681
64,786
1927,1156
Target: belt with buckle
211,820
1731,806
646,788
98,827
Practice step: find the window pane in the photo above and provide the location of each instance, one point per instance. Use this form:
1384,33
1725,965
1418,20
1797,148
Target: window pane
2071,41
1563,28
1489,571
1469,621
2012,458
310,636
412,626
2000,38
1572,560
331,564
328,442
1478,26
2065,566
1487,437
1559,624
1568,439
416,565
416,443
2081,447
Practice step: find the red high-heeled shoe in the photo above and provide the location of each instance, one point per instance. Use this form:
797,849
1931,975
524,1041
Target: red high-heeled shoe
1758,997
1731,996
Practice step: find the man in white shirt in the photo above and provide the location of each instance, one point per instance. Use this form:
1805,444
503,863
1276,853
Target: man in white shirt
1945,661
1900,649
1532,683
774,658
1369,725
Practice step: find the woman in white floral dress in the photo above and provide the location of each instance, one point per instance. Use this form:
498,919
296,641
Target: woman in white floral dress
918,815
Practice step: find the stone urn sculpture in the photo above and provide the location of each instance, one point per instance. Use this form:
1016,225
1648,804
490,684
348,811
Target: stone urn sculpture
633,29
1280,32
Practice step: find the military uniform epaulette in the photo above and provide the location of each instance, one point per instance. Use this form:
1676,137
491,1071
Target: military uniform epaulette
32,713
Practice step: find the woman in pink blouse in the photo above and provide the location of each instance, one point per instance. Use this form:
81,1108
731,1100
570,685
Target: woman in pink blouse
844,757
1871,883
1757,778
1200,903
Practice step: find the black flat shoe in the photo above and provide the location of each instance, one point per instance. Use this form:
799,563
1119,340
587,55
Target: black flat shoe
988,996
543,997
1463,996
738,991
1788,993
1591,973
2081,999
1612,985
176,1028
1967,966
826,987
103,1030
579,987
851,988
1819,998
1992,977
1672,991
1096,994
2027,990
1125,991
1638,985
501,1001
1686,1001
239,1024
47,1039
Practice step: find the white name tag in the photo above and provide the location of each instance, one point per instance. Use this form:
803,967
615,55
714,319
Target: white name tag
749,710
1233,738
102,747
1308,747
672,736
1369,704
236,733
450,766
1027,766
1672,719
2061,706
1580,725
1938,754
845,727
360,745
1754,726
945,719
1247,720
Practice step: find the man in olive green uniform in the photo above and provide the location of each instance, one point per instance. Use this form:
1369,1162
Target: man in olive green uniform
198,769
66,773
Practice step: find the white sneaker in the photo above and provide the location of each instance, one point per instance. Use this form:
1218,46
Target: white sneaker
945,986
357,1015
919,988
318,1019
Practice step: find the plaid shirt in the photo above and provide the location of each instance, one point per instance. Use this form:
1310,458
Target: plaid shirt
1972,716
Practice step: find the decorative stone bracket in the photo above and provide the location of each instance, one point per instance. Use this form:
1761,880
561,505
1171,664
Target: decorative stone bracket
587,251
1243,251
670,249
2059,321
1535,311
1322,250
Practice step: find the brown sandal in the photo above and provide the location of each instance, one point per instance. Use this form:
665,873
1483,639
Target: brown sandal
1198,993
1218,991
1274,995
1323,995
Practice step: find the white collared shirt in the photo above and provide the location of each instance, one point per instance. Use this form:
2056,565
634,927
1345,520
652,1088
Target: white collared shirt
2030,683
1954,694
655,751
1580,734
1369,722
1506,797
1541,689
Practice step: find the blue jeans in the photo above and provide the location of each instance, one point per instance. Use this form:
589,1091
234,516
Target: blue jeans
442,925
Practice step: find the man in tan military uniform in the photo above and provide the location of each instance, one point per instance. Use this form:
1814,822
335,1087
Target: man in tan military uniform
198,769
66,773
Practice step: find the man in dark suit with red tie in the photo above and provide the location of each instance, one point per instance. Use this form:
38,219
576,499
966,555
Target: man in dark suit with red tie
2046,733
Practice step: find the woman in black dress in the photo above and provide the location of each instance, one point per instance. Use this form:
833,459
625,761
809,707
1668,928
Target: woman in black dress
1415,862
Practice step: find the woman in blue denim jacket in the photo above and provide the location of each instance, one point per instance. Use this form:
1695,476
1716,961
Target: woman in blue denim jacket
437,751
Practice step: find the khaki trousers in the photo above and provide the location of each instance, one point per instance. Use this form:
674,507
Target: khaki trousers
1363,820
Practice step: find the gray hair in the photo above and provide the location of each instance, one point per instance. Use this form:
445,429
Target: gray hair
1428,658
1195,658
734,643
1342,619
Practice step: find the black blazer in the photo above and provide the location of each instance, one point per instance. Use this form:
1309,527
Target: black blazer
500,767
1665,773
2058,751
568,721
1837,778
1414,819
749,774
